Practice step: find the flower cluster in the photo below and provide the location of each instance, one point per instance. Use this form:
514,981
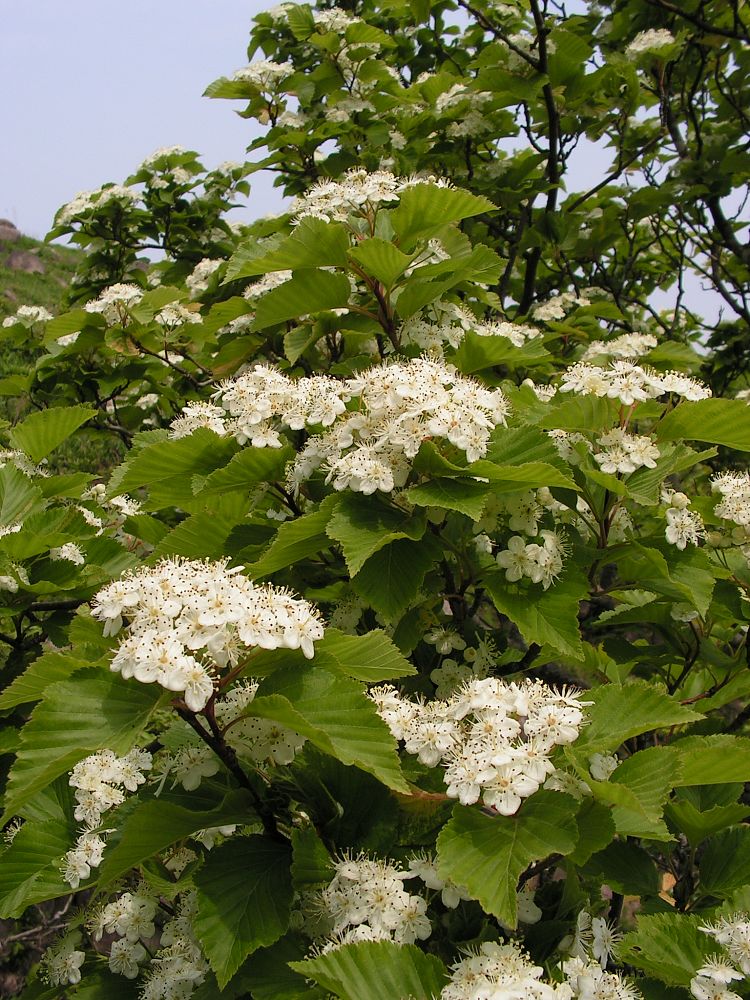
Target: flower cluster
400,405
100,782
366,901
500,970
264,74
629,382
650,41
86,201
253,738
494,739
684,526
539,563
174,314
178,967
186,618
198,279
628,345
734,505
360,191
624,453
114,302
733,934
588,981
28,315
61,964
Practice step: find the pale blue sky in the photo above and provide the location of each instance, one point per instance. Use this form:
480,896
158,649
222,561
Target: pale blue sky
89,88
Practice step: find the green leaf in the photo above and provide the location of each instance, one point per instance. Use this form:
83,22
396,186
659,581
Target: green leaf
153,826
596,829
626,868
650,775
698,824
725,862
244,901
713,760
312,864
488,854
313,243
547,617
29,871
462,495
19,497
715,421
246,469
477,353
390,580
76,718
371,658
578,413
295,540
172,464
381,259
668,946
307,292
620,712
36,678
43,430
199,536
364,525
373,970
334,713
425,208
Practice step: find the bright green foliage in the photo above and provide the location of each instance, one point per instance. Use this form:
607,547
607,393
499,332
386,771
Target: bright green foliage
494,659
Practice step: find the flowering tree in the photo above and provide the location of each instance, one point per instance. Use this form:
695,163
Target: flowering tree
405,653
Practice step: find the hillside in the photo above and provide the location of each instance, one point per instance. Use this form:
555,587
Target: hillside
32,272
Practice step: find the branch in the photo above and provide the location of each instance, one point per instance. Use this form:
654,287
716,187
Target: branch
711,29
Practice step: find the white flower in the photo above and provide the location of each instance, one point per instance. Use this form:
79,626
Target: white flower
650,41
70,552
61,964
124,957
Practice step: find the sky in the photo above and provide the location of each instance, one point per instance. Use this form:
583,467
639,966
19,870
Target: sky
90,88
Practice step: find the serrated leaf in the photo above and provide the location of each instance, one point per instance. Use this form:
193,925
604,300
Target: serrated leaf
37,677
307,292
298,539
246,469
668,946
715,421
698,824
462,495
381,259
364,525
390,580
238,915
650,775
713,760
425,208
547,617
76,718
312,865
371,658
334,713
578,413
626,868
19,497
43,430
372,970
153,826
596,829
725,862
174,463
29,871
199,536
477,353
488,854
313,243
620,712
